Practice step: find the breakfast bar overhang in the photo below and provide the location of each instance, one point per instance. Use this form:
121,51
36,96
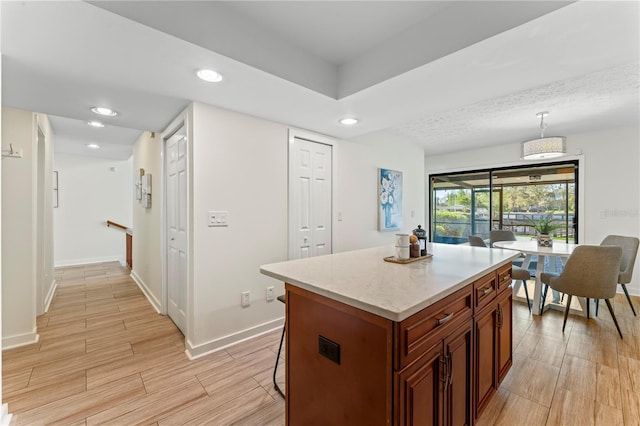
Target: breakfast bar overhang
377,343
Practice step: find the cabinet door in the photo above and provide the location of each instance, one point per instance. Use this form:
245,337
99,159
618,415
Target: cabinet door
459,355
504,334
485,343
420,390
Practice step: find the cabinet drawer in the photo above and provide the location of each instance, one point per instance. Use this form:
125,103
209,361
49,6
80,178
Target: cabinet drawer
485,289
504,277
419,332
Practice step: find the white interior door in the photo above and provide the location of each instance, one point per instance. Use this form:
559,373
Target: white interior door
310,172
176,222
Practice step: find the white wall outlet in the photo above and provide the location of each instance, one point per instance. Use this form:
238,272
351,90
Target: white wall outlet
270,294
218,218
245,299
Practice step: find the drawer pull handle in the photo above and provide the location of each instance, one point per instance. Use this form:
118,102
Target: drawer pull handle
506,277
487,291
445,319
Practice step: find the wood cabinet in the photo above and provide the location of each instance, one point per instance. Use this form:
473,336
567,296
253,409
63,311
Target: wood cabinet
421,389
440,366
504,334
493,338
435,389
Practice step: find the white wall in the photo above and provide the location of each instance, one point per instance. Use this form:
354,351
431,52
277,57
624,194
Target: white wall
5,417
356,197
609,163
90,193
239,165
23,295
147,223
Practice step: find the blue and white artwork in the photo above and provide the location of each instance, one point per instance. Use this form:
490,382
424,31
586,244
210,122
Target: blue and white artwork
389,200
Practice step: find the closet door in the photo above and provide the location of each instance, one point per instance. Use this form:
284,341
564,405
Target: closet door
310,171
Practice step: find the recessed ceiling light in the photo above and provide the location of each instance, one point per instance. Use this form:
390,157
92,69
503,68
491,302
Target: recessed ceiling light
104,111
210,75
95,124
349,121
93,145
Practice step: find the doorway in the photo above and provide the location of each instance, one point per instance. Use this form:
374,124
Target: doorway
40,225
310,196
474,202
176,225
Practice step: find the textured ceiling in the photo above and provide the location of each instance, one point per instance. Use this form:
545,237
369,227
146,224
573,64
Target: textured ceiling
449,75
602,99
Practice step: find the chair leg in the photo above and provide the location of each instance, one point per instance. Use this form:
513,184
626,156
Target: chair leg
566,312
526,293
544,298
597,306
275,369
613,315
588,303
626,292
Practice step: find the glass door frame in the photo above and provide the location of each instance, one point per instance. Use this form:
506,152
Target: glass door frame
491,172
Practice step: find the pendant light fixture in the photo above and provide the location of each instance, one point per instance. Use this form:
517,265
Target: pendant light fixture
544,147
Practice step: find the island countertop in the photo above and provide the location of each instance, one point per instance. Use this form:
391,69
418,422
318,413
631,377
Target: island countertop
362,279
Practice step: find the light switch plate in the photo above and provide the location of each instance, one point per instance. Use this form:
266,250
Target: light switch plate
218,218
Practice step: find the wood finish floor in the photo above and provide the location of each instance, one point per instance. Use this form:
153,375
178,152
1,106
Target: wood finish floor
106,357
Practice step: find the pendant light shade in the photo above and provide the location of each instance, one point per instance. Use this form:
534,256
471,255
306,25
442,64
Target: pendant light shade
544,147
549,147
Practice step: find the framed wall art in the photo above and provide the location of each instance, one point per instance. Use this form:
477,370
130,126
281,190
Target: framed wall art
390,210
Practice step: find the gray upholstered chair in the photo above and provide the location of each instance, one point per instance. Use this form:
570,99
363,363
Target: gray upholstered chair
501,235
591,272
629,252
517,273
476,241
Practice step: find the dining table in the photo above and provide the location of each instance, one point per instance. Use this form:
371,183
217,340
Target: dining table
531,248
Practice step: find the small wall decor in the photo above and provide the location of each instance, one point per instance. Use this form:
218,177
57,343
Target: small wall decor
146,191
389,200
55,189
139,185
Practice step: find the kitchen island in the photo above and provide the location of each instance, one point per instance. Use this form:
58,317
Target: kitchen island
371,342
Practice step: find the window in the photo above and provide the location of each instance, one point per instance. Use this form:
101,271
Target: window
474,202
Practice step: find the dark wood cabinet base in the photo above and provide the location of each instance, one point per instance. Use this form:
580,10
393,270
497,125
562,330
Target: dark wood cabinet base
440,366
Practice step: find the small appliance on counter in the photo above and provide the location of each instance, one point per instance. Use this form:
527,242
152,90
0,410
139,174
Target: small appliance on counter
422,239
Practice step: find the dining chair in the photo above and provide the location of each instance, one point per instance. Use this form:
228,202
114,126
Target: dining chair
629,247
508,235
476,241
501,235
591,272
517,273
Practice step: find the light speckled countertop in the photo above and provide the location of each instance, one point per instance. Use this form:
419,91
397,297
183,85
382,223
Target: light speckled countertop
361,278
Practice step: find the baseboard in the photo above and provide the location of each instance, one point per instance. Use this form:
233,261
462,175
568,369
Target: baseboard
49,298
20,340
148,294
632,290
194,352
5,417
86,261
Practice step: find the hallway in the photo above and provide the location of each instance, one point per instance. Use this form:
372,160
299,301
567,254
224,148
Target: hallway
106,357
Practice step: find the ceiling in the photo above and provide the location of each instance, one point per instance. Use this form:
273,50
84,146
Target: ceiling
449,75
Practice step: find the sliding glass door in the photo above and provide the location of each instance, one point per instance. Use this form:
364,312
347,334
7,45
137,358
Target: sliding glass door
474,202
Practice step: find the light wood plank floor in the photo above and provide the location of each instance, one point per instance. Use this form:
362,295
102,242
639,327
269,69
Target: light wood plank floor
106,357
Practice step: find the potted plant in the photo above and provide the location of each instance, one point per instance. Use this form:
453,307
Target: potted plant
545,226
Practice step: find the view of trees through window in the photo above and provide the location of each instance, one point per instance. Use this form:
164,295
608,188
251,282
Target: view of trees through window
473,203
